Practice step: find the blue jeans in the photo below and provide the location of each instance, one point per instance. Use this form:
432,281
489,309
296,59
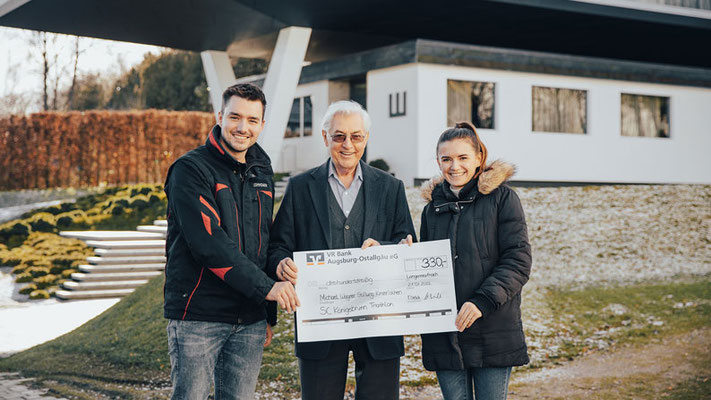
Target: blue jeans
203,351
489,383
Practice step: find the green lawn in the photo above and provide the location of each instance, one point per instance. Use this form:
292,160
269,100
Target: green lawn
628,314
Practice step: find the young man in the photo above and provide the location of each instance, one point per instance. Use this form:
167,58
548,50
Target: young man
220,202
341,204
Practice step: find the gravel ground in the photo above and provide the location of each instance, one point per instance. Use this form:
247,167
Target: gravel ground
651,369
599,236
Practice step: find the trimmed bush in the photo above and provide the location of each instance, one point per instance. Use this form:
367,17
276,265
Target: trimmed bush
117,210
66,262
67,273
54,210
139,202
64,221
27,289
39,294
43,222
13,233
19,228
57,269
38,271
68,206
380,164
141,190
20,268
10,260
24,277
46,281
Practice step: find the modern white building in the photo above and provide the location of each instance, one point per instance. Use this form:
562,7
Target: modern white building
413,98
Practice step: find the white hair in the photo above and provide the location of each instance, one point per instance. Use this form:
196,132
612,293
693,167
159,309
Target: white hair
344,107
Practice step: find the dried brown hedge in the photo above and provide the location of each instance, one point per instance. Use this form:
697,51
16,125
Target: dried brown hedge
76,149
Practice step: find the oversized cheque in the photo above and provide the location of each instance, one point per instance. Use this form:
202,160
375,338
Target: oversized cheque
379,291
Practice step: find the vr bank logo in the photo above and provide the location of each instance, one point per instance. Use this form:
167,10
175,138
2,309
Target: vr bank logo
315,258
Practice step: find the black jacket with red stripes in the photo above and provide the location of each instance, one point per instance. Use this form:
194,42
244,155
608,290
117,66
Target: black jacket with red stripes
219,217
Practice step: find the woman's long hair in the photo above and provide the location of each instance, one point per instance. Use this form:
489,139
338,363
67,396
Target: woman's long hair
465,130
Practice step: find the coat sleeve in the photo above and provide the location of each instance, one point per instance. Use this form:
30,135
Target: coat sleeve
282,239
423,224
402,223
514,261
193,205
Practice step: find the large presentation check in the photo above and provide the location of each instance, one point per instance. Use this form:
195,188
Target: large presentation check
380,291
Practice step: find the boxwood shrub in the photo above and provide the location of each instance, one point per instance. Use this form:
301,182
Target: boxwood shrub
39,294
41,257
27,289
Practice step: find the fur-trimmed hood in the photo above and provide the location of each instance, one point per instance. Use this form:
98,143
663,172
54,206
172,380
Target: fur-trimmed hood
496,173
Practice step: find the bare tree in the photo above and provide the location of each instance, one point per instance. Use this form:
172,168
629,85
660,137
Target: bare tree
52,67
45,72
70,95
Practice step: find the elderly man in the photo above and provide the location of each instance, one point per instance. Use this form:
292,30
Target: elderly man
343,203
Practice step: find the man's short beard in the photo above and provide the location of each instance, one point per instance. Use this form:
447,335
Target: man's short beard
229,146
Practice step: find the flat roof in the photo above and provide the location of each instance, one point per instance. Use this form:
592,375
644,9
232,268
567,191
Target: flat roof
615,29
444,53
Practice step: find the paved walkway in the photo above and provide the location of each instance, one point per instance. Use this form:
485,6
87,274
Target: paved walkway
13,387
24,323
10,213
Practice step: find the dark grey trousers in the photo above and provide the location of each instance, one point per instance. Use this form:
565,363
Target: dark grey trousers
325,379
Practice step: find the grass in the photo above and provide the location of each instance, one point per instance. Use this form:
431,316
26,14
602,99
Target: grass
697,388
595,318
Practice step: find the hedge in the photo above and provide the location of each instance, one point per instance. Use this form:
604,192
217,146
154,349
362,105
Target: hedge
80,149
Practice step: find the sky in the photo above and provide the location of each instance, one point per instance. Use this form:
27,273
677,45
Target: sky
21,62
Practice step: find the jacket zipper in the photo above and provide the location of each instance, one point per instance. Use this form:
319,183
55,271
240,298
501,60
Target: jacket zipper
239,237
193,292
259,225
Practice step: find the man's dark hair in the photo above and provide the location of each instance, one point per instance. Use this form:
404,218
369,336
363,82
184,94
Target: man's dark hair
246,91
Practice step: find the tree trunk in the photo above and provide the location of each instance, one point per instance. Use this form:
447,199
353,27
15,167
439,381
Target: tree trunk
45,73
70,95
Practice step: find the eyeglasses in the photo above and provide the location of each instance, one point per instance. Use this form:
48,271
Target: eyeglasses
340,138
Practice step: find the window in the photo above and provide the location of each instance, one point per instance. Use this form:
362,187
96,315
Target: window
559,110
470,101
300,118
646,116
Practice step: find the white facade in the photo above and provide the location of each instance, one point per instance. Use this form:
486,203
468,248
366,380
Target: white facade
301,153
407,142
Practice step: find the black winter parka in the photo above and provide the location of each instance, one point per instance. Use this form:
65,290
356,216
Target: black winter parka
487,229
219,217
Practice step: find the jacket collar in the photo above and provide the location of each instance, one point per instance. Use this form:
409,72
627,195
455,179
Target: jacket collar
495,174
255,157
319,187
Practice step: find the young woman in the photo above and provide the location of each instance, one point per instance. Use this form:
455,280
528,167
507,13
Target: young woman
483,218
